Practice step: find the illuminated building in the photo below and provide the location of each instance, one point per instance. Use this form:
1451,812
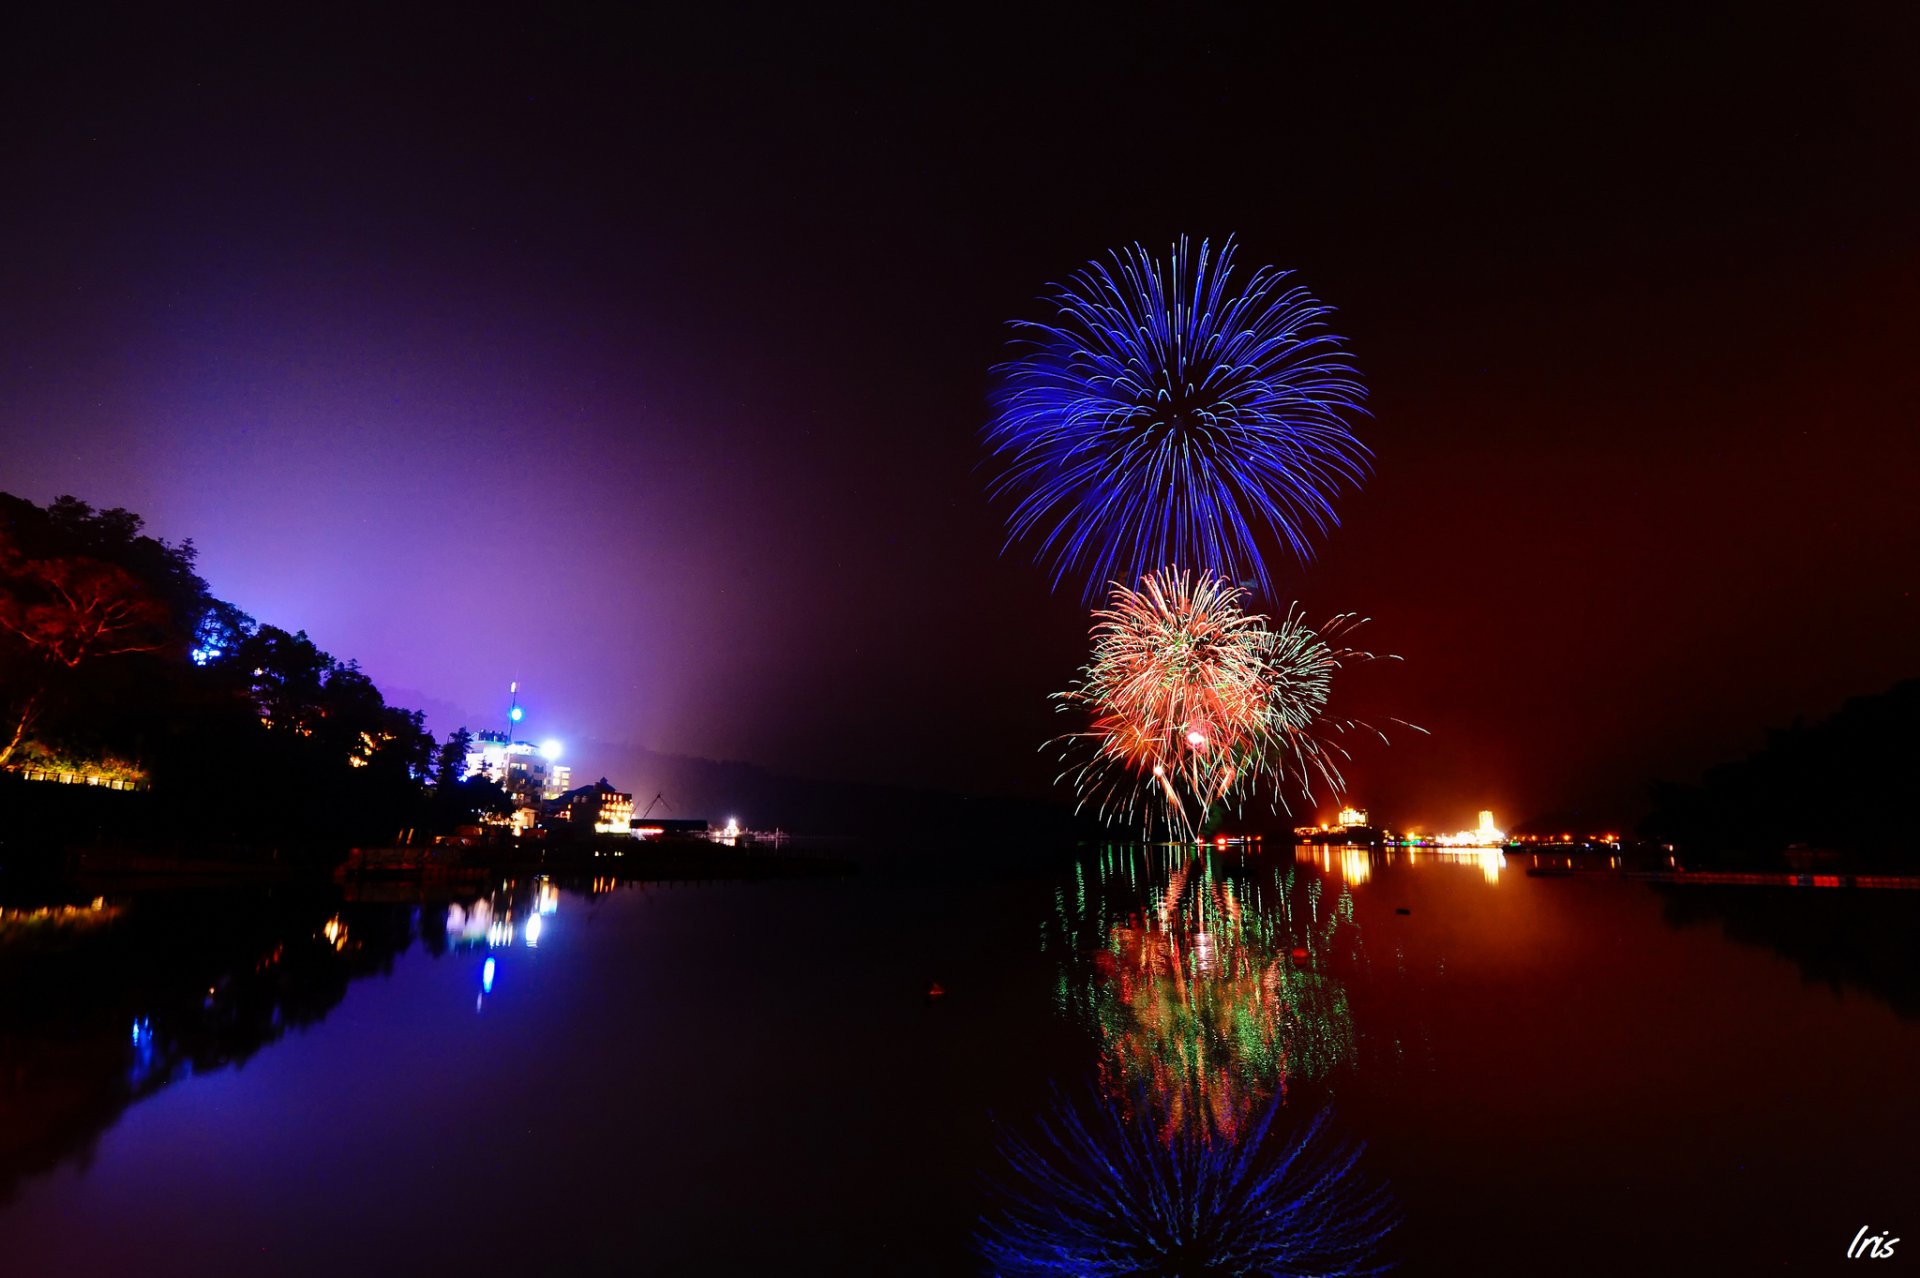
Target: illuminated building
1486,835
559,775
1352,826
520,767
598,807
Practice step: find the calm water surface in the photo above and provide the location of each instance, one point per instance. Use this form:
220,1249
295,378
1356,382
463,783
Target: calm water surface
1551,1074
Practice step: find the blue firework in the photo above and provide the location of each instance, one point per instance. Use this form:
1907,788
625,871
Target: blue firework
1165,416
1101,1194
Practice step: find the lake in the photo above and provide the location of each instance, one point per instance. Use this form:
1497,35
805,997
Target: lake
1584,1074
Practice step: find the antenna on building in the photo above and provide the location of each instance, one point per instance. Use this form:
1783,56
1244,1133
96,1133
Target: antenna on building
514,713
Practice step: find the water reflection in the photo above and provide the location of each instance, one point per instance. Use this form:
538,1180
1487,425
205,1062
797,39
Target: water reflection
1840,938
489,919
141,994
1110,1189
1205,982
54,926
1355,865
1490,860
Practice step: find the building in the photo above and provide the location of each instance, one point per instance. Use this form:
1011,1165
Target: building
597,807
1352,827
521,768
1484,835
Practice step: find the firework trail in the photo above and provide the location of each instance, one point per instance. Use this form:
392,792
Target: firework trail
1166,415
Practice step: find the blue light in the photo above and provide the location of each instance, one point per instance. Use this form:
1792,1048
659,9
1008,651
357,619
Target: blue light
1103,1191
516,714
1156,418
145,1053
486,977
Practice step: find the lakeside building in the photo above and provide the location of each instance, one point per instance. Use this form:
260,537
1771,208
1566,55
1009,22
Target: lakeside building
1351,827
1485,835
519,767
598,807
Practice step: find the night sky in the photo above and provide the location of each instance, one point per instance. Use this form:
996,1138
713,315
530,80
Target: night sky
642,356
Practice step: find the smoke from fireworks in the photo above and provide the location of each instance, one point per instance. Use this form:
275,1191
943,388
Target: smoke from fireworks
1194,701
1165,416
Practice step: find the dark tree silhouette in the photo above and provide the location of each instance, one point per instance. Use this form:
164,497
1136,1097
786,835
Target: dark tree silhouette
63,612
1849,784
450,764
112,647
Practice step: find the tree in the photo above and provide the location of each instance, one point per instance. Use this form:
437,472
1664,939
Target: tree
459,799
112,646
1848,784
72,609
220,632
450,765
66,611
70,528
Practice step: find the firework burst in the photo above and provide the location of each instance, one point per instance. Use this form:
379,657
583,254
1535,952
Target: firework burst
1194,702
1167,414
1099,1195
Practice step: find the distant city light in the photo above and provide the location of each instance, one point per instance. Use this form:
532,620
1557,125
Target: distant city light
1487,835
533,929
550,750
486,977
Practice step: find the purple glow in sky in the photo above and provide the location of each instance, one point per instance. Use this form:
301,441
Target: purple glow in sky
641,358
